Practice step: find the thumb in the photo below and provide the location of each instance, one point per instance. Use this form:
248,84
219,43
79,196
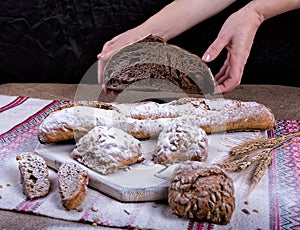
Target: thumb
105,56
214,50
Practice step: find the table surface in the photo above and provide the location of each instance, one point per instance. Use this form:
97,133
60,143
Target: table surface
282,100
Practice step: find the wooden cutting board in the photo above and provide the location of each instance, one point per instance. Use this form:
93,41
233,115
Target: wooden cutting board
142,181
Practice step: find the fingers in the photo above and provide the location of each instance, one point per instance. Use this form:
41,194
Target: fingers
102,60
215,49
222,71
100,70
224,79
109,48
230,75
103,57
226,87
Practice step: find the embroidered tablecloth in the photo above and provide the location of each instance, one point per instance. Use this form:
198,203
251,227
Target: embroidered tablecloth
278,206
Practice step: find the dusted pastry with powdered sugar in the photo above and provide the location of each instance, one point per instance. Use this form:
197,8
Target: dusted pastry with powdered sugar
107,149
179,142
212,115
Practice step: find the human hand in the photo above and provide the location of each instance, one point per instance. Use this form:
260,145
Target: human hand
113,46
236,35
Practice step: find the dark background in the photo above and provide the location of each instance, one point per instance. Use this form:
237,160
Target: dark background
57,41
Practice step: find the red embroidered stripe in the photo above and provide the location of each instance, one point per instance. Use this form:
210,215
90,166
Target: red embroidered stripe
28,119
198,225
29,205
14,103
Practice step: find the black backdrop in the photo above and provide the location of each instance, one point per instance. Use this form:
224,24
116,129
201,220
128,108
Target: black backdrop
57,41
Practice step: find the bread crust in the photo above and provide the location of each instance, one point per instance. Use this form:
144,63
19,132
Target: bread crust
75,121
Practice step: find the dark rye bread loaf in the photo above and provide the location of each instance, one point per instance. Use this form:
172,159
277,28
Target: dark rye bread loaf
159,65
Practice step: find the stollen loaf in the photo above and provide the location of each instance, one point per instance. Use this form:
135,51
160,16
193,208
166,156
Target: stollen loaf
147,119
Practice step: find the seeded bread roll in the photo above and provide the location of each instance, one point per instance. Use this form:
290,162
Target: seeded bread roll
72,182
179,142
105,150
34,175
153,60
201,193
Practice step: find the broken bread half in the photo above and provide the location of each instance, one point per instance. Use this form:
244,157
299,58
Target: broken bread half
72,182
34,175
156,64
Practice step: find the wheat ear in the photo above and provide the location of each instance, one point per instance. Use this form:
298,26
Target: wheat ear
235,165
242,163
261,168
253,145
265,162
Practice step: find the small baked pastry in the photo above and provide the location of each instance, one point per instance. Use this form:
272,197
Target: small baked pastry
180,142
34,175
201,193
106,149
72,184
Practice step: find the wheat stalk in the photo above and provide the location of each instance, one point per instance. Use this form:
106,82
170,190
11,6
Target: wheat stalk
242,156
264,163
261,168
235,165
242,163
254,145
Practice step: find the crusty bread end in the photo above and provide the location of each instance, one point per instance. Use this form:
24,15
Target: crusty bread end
72,182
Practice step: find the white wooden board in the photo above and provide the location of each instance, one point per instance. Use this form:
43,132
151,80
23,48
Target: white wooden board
142,181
